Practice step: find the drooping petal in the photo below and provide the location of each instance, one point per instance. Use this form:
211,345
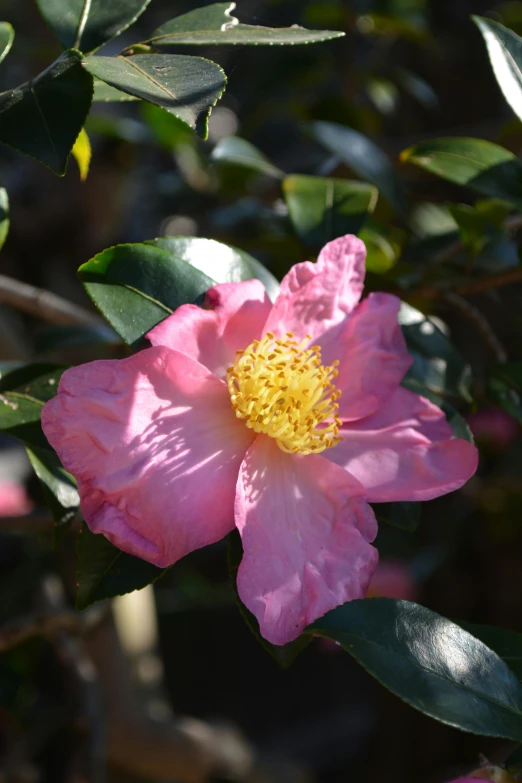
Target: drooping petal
405,451
156,450
306,539
372,353
232,315
315,298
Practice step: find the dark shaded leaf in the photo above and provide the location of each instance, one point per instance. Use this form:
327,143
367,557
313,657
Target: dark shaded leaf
55,337
186,86
214,24
87,24
363,156
429,662
23,392
505,54
6,39
137,286
475,163
438,367
4,216
59,486
103,571
234,151
504,387
222,263
402,514
284,654
44,117
104,93
322,209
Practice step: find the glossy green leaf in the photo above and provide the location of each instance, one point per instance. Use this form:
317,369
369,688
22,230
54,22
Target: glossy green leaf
402,514
234,151
438,367
222,263
43,117
103,571
507,644
475,163
381,253
322,209
429,662
214,24
186,86
137,286
504,387
4,216
104,93
87,24
59,486
6,38
284,654
363,156
505,54
23,392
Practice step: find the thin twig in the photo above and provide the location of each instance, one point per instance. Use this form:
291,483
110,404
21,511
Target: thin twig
46,623
44,304
473,314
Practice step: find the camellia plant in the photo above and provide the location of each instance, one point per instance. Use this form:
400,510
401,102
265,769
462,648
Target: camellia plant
292,418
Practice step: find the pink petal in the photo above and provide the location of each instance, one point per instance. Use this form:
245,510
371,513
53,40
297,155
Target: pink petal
156,450
306,534
405,451
14,500
316,297
372,353
232,315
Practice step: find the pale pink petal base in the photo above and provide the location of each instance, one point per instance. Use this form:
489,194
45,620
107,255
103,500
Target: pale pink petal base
306,535
232,316
405,451
156,450
316,297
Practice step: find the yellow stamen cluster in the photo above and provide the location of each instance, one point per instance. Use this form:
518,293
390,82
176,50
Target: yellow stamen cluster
281,389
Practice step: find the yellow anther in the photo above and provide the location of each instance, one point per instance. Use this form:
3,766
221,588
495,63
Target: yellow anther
292,399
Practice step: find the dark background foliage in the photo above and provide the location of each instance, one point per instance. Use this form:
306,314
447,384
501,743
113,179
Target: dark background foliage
407,70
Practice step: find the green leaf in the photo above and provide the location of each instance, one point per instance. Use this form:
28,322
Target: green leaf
234,151
475,163
104,93
137,286
222,263
381,253
103,571
322,209
430,663
82,153
214,24
507,644
43,117
87,24
363,156
284,654
186,86
6,39
405,515
4,216
56,337
59,486
504,387
505,54
23,392
438,367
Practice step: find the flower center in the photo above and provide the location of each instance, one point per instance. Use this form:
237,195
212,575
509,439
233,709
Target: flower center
281,389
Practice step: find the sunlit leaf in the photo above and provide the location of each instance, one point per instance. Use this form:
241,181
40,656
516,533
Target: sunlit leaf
214,24
6,39
505,53
4,216
186,86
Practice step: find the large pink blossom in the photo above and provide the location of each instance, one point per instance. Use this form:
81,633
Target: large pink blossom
284,420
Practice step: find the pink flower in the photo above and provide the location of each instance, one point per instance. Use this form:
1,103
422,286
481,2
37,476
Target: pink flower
14,501
286,419
494,426
393,579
